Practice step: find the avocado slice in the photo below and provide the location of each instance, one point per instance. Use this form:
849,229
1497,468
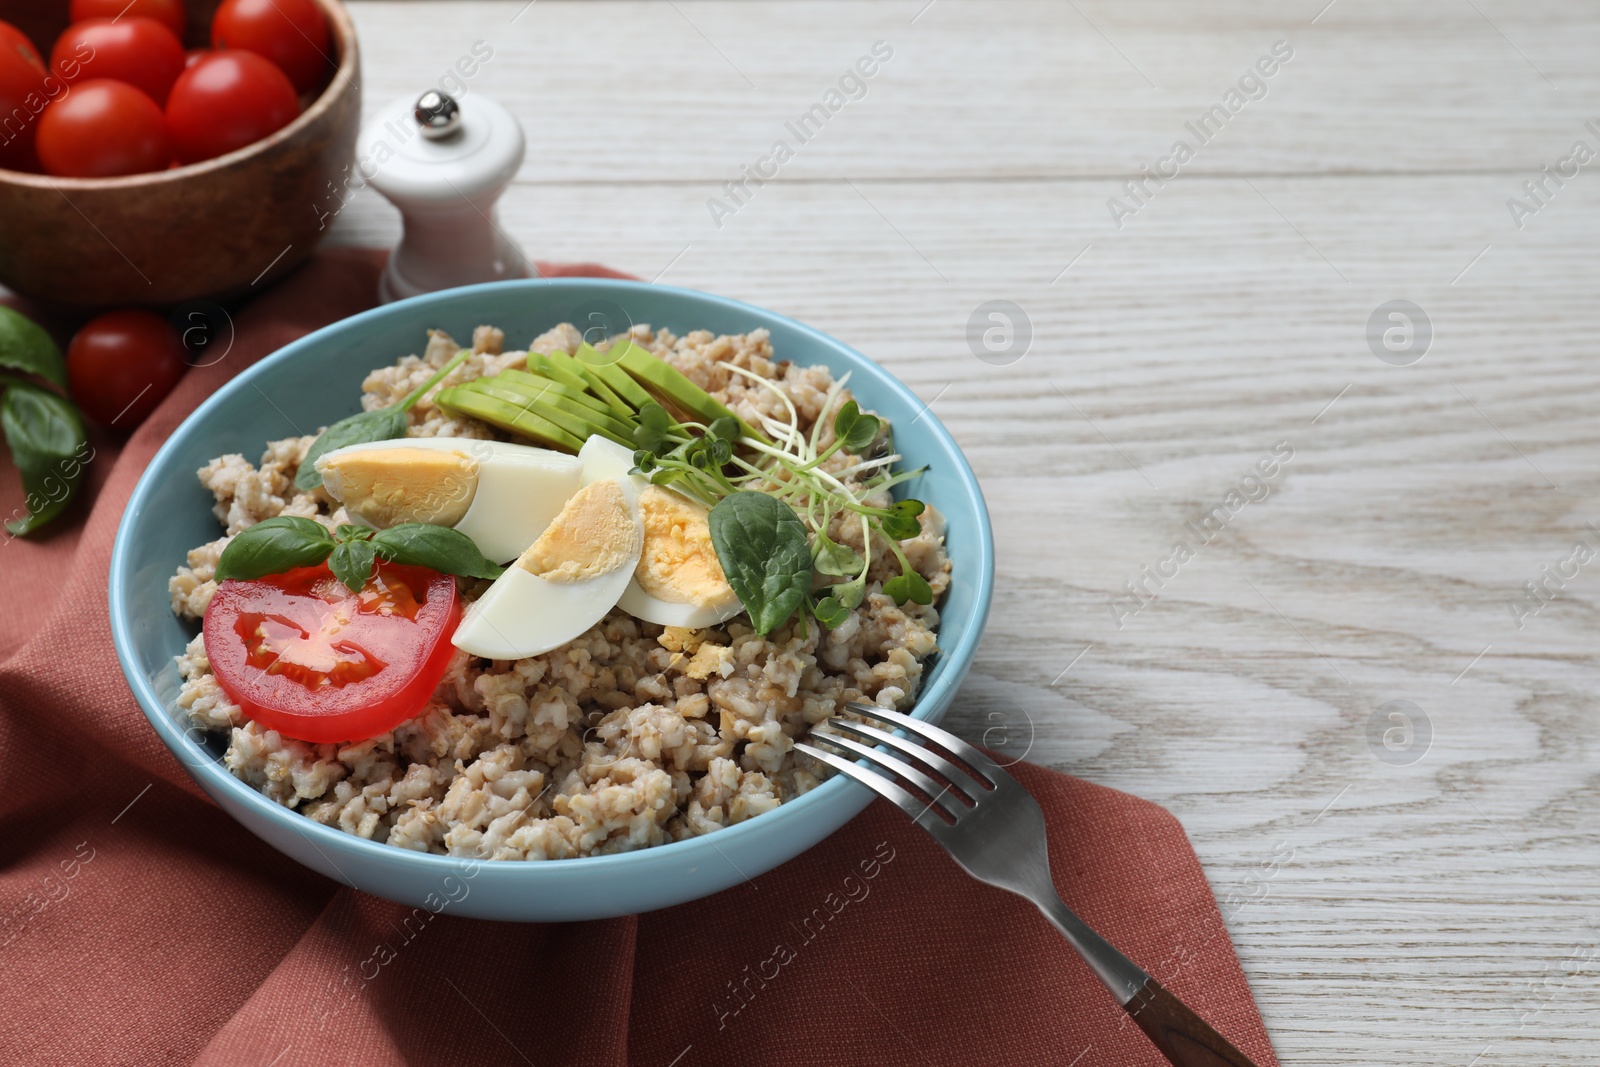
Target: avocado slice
604,365
546,388
661,377
581,422
543,399
542,364
464,400
596,385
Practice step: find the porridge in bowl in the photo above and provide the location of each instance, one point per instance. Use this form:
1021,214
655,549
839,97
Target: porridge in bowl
715,567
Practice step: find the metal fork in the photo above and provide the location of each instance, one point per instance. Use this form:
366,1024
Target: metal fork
994,829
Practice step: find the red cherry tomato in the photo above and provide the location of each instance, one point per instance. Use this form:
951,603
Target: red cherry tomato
122,364
291,33
102,128
167,12
193,56
303,655
22,97
225,101
139,51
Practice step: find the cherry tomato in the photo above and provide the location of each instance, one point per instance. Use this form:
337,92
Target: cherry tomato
225,101
21,77
139,51
303,655
193,56
122,364
291,33
167,12
102,128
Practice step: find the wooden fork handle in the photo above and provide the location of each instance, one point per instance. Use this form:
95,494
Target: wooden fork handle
1183,1037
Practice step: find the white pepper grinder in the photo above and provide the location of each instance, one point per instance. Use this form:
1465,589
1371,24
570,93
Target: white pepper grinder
444,164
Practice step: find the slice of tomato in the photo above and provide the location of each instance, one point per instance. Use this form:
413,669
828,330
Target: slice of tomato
303,655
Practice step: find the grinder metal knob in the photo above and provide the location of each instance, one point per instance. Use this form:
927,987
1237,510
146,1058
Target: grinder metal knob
437,114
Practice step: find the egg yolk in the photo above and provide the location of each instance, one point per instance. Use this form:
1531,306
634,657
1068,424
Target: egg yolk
679,564
387,486
594,535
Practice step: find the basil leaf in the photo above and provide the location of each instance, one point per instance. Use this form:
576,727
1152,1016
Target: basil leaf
351,532
834,558
765,554
438,548
50,447
273,546
25,347
351,563
830,612
385,424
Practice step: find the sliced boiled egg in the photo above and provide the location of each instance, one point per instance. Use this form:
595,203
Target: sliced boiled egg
679,581
575,572
503,496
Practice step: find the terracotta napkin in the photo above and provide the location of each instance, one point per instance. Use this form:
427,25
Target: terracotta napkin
141,925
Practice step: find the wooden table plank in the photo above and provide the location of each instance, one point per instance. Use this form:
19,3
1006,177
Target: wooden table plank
1427,913
693,90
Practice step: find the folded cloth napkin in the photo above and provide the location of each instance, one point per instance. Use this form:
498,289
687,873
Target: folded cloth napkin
141,925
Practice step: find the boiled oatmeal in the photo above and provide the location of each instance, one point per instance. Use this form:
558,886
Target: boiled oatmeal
633,733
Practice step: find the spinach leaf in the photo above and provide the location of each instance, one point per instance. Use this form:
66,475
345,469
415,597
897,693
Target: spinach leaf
50,447
351,563
273,546
765,554
435,547
364,427
25,347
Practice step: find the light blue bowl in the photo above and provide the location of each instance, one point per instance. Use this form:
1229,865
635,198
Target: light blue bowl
317,380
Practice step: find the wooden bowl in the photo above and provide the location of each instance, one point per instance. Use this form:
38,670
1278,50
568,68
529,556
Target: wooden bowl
214,229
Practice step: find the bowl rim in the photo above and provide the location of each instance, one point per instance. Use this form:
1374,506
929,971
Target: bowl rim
343,33
204,767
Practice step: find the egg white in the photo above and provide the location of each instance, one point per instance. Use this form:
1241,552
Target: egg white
522,614
601,454
642,605
520,489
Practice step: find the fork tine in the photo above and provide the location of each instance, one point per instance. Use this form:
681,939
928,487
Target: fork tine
982,765
890,790
934,790
961,781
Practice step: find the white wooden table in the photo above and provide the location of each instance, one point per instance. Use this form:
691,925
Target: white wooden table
1436,906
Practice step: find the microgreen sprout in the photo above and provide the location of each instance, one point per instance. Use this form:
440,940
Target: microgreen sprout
712,462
